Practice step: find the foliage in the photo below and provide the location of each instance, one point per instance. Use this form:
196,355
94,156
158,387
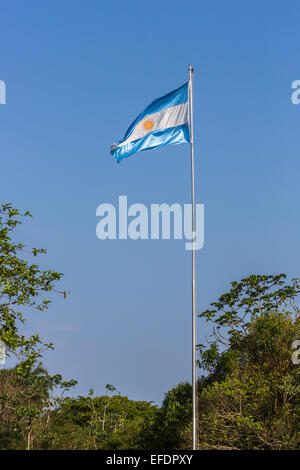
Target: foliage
250,397
171,428
252,296
103,422
22,284
26,403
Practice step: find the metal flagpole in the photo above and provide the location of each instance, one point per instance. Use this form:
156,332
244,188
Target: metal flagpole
194,330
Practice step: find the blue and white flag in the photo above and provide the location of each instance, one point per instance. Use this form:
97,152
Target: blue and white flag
164,121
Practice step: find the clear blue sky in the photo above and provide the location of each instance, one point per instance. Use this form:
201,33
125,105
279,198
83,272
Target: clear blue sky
77,74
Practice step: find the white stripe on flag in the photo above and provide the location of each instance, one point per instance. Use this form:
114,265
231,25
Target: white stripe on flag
169,117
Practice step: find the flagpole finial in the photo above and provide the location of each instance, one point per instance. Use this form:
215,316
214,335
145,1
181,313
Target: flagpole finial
191,70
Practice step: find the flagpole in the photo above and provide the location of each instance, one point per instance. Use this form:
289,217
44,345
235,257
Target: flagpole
194,329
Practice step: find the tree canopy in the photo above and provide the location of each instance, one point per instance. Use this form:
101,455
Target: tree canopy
249,398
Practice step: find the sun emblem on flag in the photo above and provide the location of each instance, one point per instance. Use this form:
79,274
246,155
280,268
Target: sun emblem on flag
148,124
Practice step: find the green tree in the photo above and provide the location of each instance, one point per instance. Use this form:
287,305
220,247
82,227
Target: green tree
172,426
110,421
23,285
27,398
250,397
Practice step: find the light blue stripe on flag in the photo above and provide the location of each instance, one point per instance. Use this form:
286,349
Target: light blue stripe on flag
164,121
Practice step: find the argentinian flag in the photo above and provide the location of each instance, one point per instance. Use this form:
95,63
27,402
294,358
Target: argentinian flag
164,121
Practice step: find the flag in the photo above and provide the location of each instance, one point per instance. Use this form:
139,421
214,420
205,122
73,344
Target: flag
164,121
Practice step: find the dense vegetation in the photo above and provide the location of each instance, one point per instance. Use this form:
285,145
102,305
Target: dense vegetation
249,393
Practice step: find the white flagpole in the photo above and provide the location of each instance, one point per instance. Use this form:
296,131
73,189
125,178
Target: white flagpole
194,329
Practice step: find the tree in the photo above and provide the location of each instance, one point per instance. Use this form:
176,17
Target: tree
250,397
22,286
172,426
27,398
110,421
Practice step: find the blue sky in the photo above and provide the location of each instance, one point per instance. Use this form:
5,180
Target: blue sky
77,74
